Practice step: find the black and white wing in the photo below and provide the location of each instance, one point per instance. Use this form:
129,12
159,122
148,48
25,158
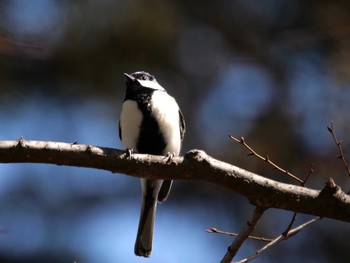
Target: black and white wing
182,125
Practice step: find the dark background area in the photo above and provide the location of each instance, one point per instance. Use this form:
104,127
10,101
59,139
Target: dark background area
275,72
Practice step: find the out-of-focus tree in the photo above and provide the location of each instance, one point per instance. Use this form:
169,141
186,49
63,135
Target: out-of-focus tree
275,72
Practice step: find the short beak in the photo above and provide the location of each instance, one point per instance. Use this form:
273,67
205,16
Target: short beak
128,77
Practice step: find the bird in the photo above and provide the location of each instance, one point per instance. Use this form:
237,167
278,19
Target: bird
151,122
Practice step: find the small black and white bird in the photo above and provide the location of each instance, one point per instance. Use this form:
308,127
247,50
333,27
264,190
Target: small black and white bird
150,122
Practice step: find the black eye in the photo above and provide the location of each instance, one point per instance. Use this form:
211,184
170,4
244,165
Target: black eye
144,77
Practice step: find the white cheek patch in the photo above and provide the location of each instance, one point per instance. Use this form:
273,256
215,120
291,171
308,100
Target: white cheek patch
130,121
166,112
151,84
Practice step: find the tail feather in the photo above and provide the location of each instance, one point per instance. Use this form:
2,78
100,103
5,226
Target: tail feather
164,190
143,244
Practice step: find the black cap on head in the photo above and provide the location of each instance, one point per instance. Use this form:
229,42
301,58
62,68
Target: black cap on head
129,78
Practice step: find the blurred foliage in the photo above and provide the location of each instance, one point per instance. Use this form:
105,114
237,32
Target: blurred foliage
73,51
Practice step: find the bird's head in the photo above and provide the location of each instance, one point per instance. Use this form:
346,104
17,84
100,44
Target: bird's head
144,79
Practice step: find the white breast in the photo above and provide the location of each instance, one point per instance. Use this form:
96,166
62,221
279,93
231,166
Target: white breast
130,121
166,111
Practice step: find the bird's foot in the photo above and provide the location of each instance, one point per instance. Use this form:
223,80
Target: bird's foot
129,152
169,156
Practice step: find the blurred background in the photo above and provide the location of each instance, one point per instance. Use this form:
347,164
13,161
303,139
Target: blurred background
275,72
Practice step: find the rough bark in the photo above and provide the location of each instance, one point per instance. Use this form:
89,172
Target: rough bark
329,202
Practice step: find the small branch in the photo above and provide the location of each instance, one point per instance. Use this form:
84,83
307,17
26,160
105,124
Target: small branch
243,235
285,232
278,239
214,230
340,148
311,171
266,159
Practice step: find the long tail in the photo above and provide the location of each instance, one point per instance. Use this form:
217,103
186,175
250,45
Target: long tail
143,244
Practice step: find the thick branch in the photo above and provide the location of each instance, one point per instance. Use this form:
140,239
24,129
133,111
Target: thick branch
195,165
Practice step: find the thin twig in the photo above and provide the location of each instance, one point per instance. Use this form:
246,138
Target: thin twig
278,239
214,230
286,232
311,171
243,235
266,159
340,148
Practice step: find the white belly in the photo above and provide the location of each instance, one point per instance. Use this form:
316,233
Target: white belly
130,121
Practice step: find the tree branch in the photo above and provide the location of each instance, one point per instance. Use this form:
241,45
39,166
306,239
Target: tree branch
278,239
252,152
243,235
214,230
330,202
340,148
